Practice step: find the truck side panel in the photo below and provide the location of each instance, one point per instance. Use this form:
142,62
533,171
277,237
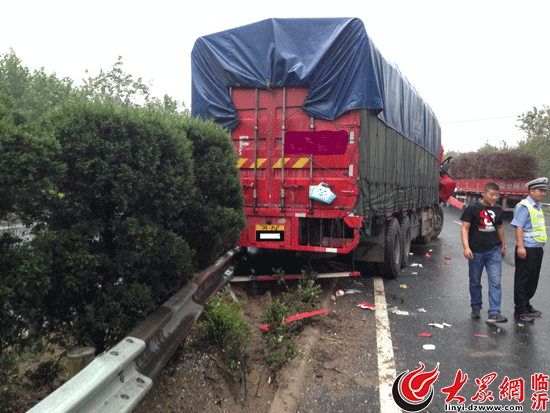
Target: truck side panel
395,173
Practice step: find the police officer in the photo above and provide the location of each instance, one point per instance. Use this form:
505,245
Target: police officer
530,237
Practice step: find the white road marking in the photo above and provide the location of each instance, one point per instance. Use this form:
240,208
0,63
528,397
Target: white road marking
386,360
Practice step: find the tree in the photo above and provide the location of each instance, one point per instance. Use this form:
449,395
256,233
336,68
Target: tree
32,93
121,88
536,126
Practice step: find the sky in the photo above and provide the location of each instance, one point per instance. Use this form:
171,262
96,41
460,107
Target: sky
478,64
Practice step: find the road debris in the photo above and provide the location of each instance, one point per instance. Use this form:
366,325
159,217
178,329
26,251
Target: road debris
403,286
428,347
447,263
397,311
421,310
427,255
415,264
425,335
480,335
448,258
365,305
297,317
339,293
439,325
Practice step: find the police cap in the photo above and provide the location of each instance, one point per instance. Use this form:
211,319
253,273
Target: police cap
539,183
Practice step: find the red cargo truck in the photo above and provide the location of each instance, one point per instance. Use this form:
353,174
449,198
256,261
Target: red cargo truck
511,192
313,108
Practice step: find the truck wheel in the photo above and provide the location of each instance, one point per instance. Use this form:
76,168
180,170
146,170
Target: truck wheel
439,218
392,250
406,238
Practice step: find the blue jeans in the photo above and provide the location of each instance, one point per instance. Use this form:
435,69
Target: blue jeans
492,261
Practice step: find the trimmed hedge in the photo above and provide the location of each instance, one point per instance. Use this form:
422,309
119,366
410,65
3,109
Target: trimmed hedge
142,199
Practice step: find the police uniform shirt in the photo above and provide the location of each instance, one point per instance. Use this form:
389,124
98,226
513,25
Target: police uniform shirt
522,218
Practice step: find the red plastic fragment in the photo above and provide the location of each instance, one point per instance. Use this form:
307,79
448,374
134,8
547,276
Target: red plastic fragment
480,335
427,255
447,263
297,317
425,335
366,305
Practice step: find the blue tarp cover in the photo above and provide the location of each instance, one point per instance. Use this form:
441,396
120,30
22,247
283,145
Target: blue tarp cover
334,57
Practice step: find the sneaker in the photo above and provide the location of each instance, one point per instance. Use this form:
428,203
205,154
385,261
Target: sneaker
524,317
534,313
476,313
497,318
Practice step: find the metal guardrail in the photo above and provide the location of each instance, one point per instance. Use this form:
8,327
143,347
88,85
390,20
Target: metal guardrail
118,379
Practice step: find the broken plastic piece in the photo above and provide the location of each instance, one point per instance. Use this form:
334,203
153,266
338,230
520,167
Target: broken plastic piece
297,317
421,310
480,335
397,311
447,263
352,291
427,255
448,258
339,293
425,335
403,286
440,325
366,305
428,347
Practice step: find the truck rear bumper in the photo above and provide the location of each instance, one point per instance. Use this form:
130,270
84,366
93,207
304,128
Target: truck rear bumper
299,231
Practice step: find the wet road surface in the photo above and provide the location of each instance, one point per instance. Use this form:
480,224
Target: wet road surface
512,358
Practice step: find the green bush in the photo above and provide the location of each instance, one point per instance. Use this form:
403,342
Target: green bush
118,220
220,218
225,326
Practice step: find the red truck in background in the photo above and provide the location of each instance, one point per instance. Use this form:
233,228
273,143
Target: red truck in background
510,170
469,191
289,90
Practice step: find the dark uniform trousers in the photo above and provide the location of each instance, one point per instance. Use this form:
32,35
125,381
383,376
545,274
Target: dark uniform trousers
526,278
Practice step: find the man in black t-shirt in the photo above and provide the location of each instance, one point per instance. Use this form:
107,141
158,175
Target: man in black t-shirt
485,246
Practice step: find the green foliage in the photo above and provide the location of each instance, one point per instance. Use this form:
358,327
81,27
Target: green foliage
308,290
219,218
225,326
121,88
45,374
118,220
33,93
279,339
536,126
26,166
8,386
122,212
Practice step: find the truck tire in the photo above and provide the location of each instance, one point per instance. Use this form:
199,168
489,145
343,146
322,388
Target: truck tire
406,238
439,218
393,247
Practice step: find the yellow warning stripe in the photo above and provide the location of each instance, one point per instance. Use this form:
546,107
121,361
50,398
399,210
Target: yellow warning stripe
260,163
279,163
301,162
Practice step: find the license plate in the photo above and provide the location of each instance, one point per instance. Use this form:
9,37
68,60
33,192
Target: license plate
270,232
